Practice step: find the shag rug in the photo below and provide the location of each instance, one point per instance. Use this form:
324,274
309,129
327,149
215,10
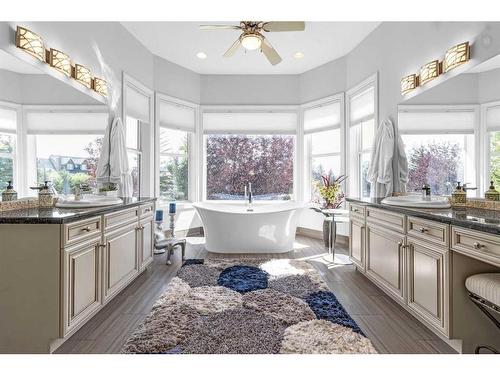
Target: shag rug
248,306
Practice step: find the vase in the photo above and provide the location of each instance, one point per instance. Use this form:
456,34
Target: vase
326,233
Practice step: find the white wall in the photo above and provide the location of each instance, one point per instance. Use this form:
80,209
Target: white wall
174,80
250,89
323,81
10,87
488,86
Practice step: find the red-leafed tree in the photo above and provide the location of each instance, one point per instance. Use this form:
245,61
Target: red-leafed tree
234,161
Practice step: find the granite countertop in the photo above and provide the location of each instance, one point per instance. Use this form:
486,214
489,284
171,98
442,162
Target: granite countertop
57,215
468,217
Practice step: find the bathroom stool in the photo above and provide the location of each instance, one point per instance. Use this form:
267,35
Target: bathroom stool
484,291
169,244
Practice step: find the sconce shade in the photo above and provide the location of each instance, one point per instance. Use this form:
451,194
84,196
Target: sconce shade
409,83
60,61
429,71
101,86
83,75
30,42
456,56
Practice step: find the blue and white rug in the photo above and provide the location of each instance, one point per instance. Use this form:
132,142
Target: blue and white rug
248,306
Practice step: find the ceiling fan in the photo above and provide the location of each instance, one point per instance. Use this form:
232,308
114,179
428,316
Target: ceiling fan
251,37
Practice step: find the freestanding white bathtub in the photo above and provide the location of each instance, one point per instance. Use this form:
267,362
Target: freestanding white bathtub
230,228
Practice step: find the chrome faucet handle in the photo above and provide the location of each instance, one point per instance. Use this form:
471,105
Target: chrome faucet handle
465,188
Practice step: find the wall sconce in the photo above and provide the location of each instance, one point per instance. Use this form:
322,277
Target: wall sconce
409,83
456,56
60,61
83,75
101,86
30,42
429,71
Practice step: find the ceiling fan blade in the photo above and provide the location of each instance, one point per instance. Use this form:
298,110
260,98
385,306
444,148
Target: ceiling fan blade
232,50
275,26
269,51
215,27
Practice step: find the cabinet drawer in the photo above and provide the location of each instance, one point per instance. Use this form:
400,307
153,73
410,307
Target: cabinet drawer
357,211
81,230
146,210
119,219
388,219
427,230
482,246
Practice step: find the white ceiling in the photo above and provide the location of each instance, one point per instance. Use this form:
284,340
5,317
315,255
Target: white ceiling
179,42
13,64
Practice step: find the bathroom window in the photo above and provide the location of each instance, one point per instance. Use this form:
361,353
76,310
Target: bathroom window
133,142
66,160
361,115
176,136
7,159
8,121
64,147
174,164
265,161
322,141
494,162
440,146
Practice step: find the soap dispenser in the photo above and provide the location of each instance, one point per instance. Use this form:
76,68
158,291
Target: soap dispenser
492,194
9,194
45,196
459,196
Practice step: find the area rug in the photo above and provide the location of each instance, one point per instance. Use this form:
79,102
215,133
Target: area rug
248,306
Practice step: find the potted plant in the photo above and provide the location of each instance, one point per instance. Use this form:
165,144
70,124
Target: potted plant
109,190
330,190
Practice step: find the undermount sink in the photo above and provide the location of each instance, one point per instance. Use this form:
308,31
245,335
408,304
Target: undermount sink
88,200
416,201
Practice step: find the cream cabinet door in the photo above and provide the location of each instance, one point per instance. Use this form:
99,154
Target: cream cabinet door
385,260
146,236
81,284
357,243
428,282
121,263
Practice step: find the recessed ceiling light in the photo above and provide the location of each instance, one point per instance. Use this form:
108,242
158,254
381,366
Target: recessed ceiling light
201,55
298,55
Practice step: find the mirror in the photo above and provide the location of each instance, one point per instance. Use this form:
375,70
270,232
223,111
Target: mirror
49,129
452,132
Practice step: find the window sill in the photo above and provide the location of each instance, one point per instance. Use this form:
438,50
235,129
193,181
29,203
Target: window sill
181,206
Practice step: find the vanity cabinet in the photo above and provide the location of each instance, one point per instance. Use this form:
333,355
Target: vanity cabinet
385,260
120,260
357,243
428,282
81,283
146,241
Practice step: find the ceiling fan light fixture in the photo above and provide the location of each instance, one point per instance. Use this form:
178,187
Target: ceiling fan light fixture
251,41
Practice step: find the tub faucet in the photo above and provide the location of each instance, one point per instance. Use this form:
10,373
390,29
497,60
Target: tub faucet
249,196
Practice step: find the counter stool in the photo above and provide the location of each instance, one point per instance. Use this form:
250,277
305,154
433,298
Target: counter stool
484,291
168,244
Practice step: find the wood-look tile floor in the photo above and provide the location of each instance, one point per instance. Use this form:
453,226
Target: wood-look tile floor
388,325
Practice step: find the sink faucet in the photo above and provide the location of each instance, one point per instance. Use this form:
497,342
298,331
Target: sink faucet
465,188
426,192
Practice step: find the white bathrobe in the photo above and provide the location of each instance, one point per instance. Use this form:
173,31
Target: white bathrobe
380,173
113,164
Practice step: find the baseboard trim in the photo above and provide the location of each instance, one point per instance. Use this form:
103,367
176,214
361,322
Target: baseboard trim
318,235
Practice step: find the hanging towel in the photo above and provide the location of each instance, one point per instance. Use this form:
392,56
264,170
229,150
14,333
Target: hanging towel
380,173
402,165
113,164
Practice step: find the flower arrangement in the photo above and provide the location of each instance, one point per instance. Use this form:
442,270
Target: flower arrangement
331,190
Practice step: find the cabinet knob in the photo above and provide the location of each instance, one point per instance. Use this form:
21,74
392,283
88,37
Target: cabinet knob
423,230
87,229
477,245
355,210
